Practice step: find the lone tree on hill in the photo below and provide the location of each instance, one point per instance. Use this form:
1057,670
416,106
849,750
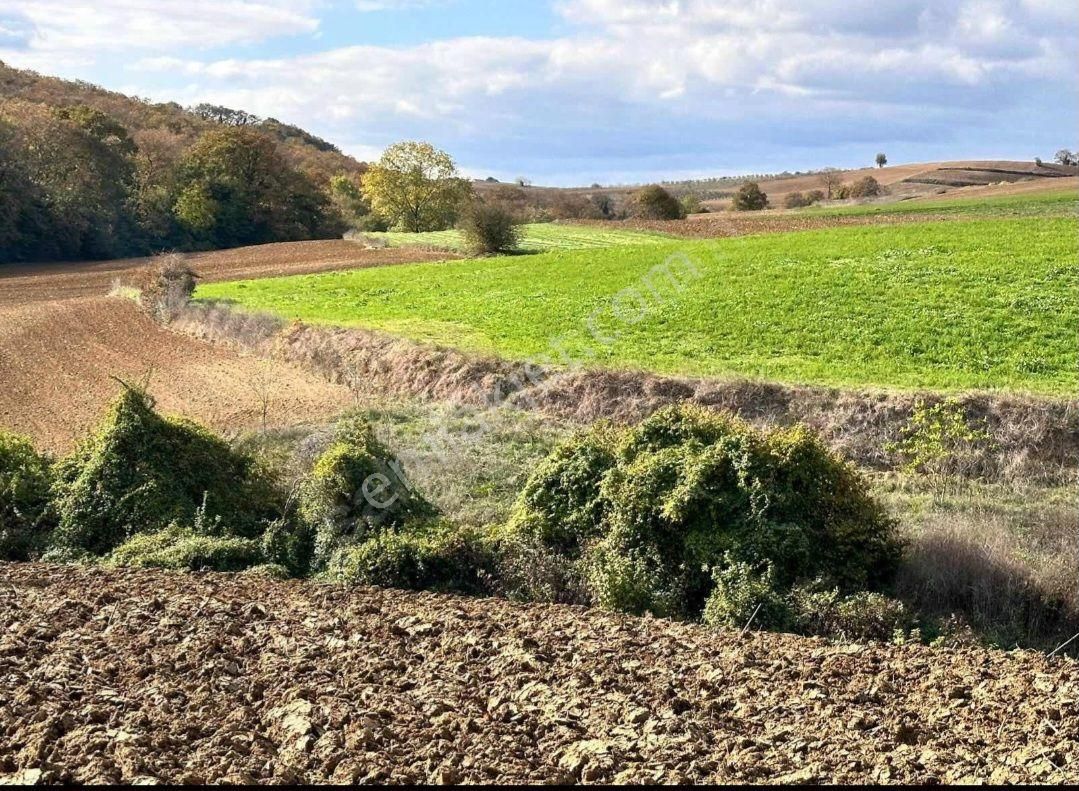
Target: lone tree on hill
750,198
416,187
1066,157
882,160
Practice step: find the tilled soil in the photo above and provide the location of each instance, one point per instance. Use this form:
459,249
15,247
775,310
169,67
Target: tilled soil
120,676
62,342
58,360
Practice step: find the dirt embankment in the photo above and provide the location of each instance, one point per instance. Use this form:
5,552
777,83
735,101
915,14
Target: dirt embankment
122,676
1033,438
62,340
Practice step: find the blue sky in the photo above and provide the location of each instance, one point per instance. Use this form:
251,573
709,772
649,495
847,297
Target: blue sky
614,91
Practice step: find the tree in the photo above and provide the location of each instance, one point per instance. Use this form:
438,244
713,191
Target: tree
750,197
831,181
882,160
416,187
235,188
1066,157
655,203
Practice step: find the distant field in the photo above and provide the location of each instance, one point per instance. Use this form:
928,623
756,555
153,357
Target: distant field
1057,203
535,237
951,305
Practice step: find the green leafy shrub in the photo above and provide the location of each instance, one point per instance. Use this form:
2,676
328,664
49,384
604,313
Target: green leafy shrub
489,229
442,558
290,544
746,596
560,505
141,473
939,440
357,490
821,611
184,549
25,482
689,491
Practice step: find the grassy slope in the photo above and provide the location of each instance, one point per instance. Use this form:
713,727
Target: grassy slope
1056,203
982,304
534,237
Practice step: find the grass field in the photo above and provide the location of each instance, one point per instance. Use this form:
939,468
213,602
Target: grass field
1057,203
951,305
535,237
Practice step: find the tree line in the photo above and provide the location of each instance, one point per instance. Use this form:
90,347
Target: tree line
75,184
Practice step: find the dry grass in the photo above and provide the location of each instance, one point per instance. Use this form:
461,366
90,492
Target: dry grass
999,560
1034,439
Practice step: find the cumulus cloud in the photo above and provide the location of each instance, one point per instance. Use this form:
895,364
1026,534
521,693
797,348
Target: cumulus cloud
632,81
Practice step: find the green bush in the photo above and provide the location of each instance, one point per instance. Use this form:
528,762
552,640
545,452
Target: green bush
821,611
183,549
689,491
746,596
655,203
290,544
750,197
357,490
489,229
25,482
141,473
442,558
560,505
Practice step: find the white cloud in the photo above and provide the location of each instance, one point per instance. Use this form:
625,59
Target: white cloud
632,75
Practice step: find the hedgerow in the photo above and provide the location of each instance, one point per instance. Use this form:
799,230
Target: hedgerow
439,557
184,549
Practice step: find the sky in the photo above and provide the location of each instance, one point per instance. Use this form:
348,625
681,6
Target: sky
571,92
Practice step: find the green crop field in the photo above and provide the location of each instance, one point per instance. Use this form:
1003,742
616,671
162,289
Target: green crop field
948,305
535,237
1056,203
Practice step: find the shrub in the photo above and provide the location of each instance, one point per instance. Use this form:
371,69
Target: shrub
168,286
289,543
560,505
691,490
798,200
750,197
746,596
141,473
443,558
816,610
356,490
25,481
528,570
938,440
489,230
184,549
691,204
655,203
866,187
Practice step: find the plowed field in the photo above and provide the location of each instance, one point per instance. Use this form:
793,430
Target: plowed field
119,676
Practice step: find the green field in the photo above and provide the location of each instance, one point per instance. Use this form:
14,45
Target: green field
949,305
1057,203
535,237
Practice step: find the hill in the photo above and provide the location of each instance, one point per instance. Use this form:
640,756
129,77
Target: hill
87,173
167,125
